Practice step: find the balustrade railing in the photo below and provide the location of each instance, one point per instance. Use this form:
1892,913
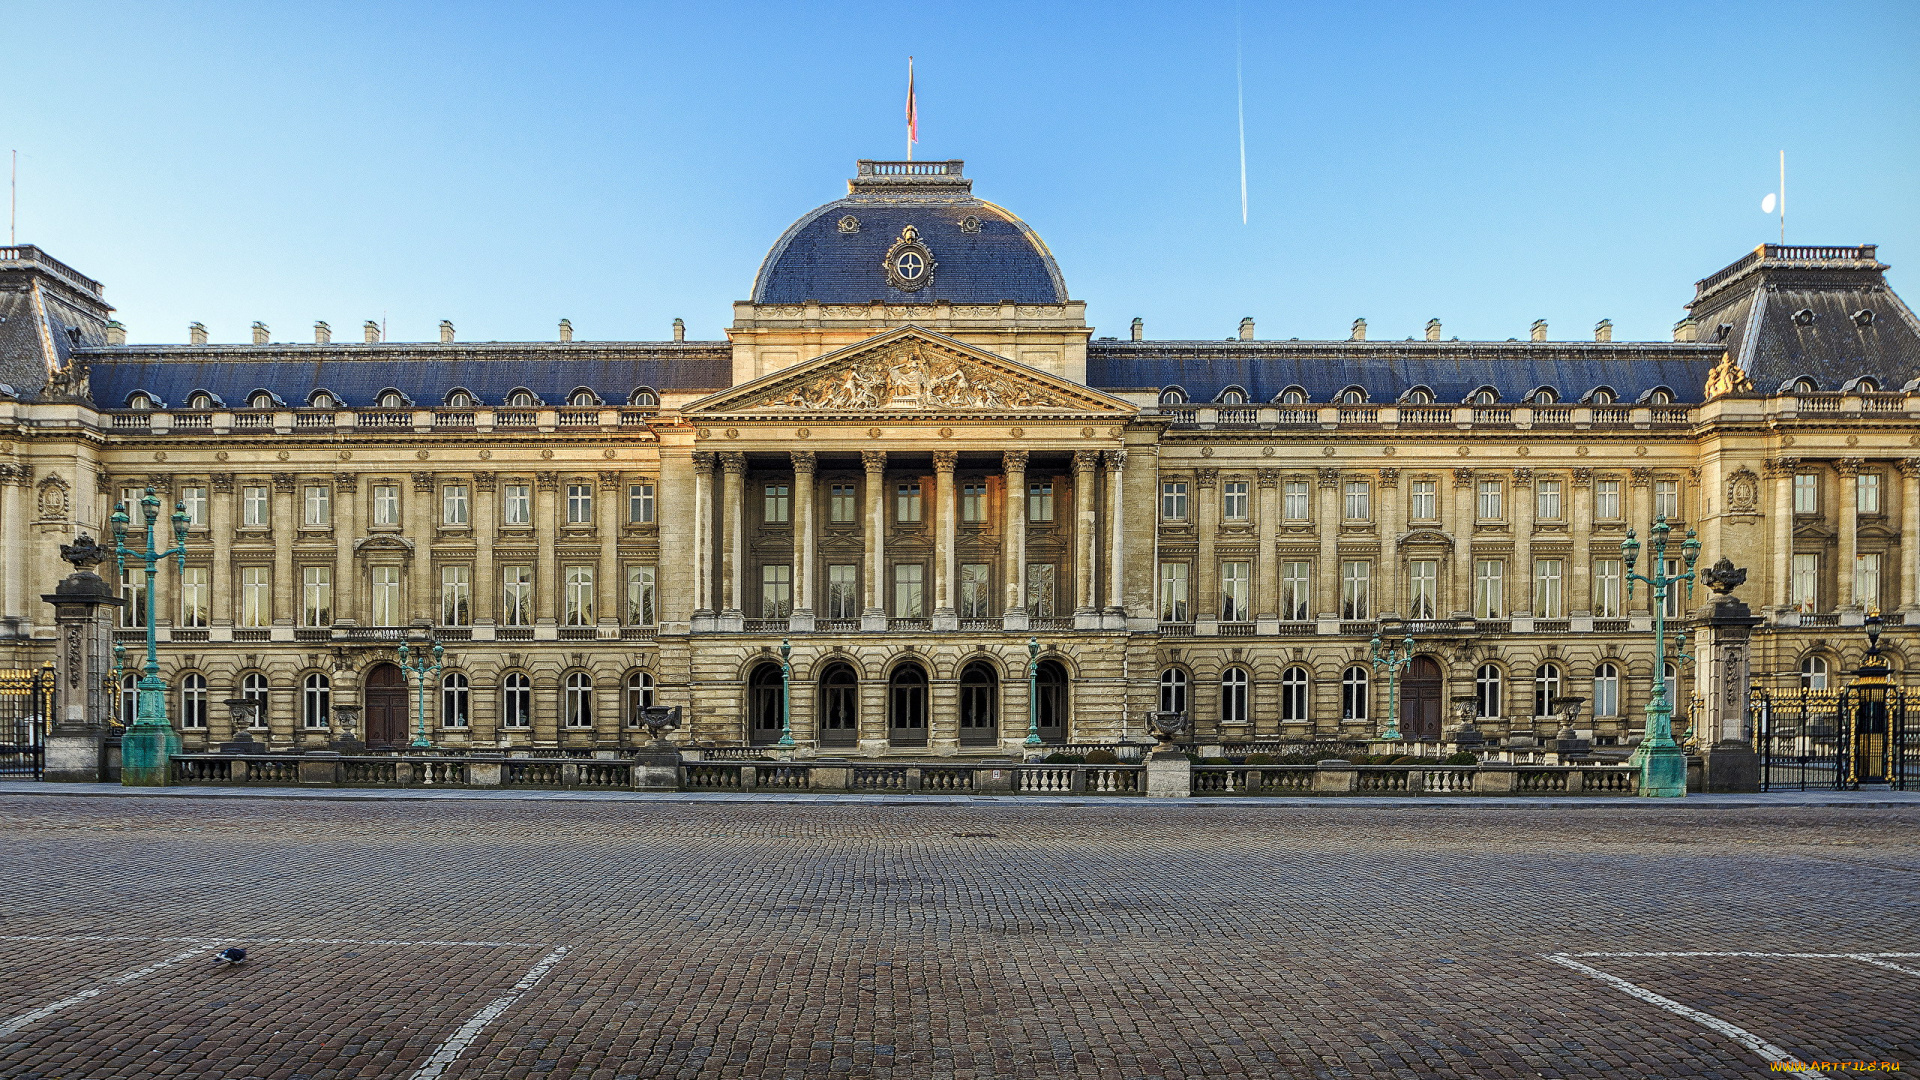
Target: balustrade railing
309,420
516,418
1426,415
385,418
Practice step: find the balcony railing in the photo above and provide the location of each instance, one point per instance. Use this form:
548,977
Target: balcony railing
1495,415
384,418
313,633
1242,417
1235,629
516,418
513,633
636,633
1617,414
1610,626
909,624
1050,622
579,418
376,633
192,421
1363,414
578,633
252,420
1176,629
1297,416
630,418
1671,414
310,420
836,626
463,418
133,420
1553,414
980,626
1426,415
766,626
257,634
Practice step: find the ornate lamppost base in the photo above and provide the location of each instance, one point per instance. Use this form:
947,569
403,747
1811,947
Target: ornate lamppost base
1663,771
146,755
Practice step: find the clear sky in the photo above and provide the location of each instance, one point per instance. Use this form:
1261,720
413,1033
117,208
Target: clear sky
620,164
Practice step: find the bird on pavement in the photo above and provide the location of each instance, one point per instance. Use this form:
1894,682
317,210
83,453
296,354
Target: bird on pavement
231,957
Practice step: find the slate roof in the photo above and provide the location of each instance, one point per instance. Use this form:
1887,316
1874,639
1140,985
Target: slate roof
1388,369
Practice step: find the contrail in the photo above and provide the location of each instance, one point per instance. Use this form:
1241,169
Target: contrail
1240,94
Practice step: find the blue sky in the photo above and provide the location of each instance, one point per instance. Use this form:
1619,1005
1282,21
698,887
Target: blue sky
507,165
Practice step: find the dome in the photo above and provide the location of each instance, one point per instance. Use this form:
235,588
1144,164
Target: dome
909,232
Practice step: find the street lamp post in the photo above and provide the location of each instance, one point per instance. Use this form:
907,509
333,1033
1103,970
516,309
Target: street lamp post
421,669
147,749
1392,658
1663,767
786,693
1033,691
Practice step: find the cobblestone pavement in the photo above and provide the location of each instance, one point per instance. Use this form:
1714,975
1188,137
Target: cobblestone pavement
546,939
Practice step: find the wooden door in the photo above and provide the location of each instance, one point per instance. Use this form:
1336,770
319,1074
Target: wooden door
1420,700
384,703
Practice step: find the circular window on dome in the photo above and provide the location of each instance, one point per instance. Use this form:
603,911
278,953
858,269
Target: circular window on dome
909,264
969,224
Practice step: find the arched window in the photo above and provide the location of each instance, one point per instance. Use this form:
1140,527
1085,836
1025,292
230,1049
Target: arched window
459,399
839,706
1233,696
392,400
639,696
578,705
316,698
1293,694
1806,386
1419,397
583,398
1671,675
1606,690
907,706
520,399
763,705
516,701
1813,673
1173,691
1353,397
1486,691
1867,386
456,696
253,687
129,699
1484,397
262,400
1294,397
1546,687
1660,397
1545,396
322,400
1054,703
1173,396
140,401
1601,396
644,398
193,700
1353,694
979,704
200,401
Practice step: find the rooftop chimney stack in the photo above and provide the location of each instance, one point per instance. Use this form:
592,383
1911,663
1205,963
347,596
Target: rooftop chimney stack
371,331
566,329
1433,329
197,333
1246,328
679,330
116,334
446,332
1539,329
1603,330
1359,330
322,333
260,335
1686,330
1139,329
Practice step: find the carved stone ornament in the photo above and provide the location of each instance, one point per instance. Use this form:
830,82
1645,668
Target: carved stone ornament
283,483
1014,460
1743,492
1462,478
53,498
1389,477
909,263
804,461
1582,477
848,225
84,553
915,376
1329,478
970,225
1723,577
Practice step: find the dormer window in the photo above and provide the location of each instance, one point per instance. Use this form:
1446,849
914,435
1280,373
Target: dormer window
582,398
392,400
200,401
140,401
1419,397
323,400
1484,397
1353,397
1803,317
262,400
1863,317
1545,396
1867,386
460,399
1602,397
1659,397
1805,386
645,398
520,399
1294,397
1233,397
1172,397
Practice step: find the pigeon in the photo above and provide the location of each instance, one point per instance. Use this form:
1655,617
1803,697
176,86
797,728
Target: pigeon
231,957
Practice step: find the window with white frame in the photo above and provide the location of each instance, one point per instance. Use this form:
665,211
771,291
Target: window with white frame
193,700
387,609
1549,595
907,503
776,591
516,701
1486,691
1353,694
316,596
1173,691
255,510
456,596
133,590
1606,500
843,591
973,502
1492,504
1666,499
1546,687
976,591
1606,690
1423,588
640,504
777,504
1296,500
1235,580
516,505
843,504
578,703
1608,578
1040,502
1173,500
454,505
909,591
579,504
1866,580
256,596
1359,500
1233,695
1546,500
1806,493
1866,493
640,596
1813,673
1356,589
386,504
1042,589
1489,589
1173,593
1423,504
319,505
1295,586
1676,592
1293,694
579,596
196,601
195,501
456,699
1805,594
639,697
1233,500
316,698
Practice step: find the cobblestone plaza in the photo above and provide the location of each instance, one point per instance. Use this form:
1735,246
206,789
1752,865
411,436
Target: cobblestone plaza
734,938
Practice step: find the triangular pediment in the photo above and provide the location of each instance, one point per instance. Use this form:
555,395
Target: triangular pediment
910,370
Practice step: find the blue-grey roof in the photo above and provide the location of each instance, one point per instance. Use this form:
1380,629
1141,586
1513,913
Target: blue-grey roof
356,374
1388,369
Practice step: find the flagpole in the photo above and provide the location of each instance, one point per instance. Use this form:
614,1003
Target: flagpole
911,106
1783,197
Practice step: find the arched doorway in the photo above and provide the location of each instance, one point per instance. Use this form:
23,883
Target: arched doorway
907,706
839,706
1051,690
763,705
1420,700
979,705
383,699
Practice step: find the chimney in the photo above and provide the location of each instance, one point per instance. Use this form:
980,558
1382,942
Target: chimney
1246,328
371,331
197,333
322,333
1686,330
1433,329
1603,330
1139,329
1359,330
260,336
566,329
679,330
116,334
1539,329
446,332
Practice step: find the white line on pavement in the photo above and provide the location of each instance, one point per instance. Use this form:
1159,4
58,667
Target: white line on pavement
1763,955
1868,958
451,1049
1767,1051
44,1011
284,941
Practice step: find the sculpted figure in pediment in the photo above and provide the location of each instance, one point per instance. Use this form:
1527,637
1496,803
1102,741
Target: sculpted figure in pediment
912,376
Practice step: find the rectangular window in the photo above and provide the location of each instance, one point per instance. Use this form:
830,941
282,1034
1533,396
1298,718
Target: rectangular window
456,596
1676,591
195,601
254,507
1606,500
1425,506
906,503
195,500
1806,582
1666,499
1040,502
1356,590
1806,493
1295,577
133,590
1295,501
843,591
1866,580
640,596
976,591
453,504
1423,588
579,504
1546,500
1866,493
1233,500
1608,577
777,505
1173,500
1235,580
1041,579
776,591
640,504
256,596
1548,591
1173,593
1489,589
579,596
843,504
386,504
316,596
1359,500
1492,500
386,596
973,503
319,504
909,591
516,596
516,505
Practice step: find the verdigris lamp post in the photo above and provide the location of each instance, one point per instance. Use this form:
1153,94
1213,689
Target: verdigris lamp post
1033,691
1392,658
148,747
422,669
786,693
1663,767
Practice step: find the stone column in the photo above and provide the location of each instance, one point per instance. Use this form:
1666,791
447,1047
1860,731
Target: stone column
1909,534
805,543
220,531
83,613
486,491
703,463
1849,470
1015,541
607,513
1386,589
423,600
1462,523
1116,609
875,615
1205,583
733,534
1640,516
1327,572
946,540
345,527
13,537
547,579
1266,570
1580,580
1522,518
1721,677
1086,463
286,525
1782,470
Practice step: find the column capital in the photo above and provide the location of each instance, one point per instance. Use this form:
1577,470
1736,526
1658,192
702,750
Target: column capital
804,461
1269,478
1782,466
547,481
1329,478
1910,467
733,463
1850,466
222,483
1523,477
1016,460
703,461
1389,477
1086,460
486,481
1641,477
609,481
283,483
945,460
1116,460
422,482
1205,478
1462,478
874,460
345,483
1582,477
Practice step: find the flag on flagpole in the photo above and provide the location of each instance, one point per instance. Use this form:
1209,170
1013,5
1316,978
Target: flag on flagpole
913,113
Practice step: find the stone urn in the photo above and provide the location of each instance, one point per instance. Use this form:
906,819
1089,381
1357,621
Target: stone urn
1166,727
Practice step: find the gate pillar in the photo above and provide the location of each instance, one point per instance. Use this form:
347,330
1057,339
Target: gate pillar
82,606
1722,675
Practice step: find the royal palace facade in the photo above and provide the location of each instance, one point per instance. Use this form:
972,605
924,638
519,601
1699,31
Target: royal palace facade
914,475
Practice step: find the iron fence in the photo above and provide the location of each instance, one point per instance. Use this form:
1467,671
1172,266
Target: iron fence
1837,739
26,714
